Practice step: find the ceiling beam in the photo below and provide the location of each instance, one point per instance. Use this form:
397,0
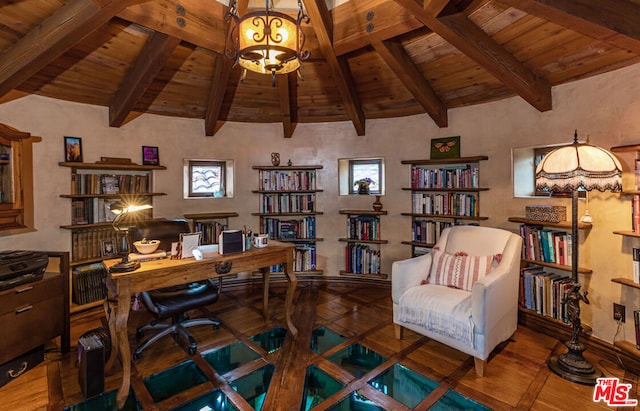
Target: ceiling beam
53,37
612,21
321,21
219,83
154,55
288,95
356,22
400,62
201,23
434,7
462,34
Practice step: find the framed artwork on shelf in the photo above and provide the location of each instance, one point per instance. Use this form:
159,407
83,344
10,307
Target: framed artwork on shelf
150,156
73,149
188,243
108,248
446,147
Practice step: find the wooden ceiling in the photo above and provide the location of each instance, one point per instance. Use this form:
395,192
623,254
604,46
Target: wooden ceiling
369,58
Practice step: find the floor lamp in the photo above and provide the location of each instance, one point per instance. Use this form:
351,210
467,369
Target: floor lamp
574,168
122,210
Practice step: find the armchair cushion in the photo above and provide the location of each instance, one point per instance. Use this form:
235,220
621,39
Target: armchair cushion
458,270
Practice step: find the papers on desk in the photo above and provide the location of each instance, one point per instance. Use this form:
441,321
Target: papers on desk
157,255
206,251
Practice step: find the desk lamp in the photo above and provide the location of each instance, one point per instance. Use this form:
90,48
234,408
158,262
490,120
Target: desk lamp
574,168
121,210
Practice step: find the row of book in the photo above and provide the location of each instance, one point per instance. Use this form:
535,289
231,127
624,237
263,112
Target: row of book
90,243
92,210
446,204
363,227
428,231
304,259
287,180
635,214
210,231
543,292
110,183
88,283
289,229
544,244
463,176
362,259
287,203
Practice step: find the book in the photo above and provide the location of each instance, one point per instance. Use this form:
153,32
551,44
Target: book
636,265
636,322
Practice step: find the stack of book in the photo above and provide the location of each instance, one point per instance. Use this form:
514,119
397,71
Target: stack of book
88,283
542,244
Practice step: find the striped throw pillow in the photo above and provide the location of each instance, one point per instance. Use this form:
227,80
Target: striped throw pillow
458,270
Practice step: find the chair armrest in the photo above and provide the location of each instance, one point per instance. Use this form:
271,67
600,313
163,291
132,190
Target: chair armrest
408,273
497,292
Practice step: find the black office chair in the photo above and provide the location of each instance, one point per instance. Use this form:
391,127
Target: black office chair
173,302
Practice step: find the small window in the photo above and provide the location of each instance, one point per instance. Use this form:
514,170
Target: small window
208,178
354,169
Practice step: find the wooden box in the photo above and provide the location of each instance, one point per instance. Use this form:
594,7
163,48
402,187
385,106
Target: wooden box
546,213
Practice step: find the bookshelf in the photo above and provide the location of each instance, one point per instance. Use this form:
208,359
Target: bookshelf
287,199
444,192
538,235
363,252
210,224
94,188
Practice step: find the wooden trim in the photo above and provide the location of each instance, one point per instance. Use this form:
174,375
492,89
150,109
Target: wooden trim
561,224
625,281
362,212
474,159
355,240
292,167
461,189
204,216
457,217
110,166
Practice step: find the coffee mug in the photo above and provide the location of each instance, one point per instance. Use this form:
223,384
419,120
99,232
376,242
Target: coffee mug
260,240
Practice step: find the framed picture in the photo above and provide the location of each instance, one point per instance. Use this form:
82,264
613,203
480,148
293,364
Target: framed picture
73,149
150,156
108,248
446,147
188,243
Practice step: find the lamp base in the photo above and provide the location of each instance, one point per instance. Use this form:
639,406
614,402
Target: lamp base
573,366
124,267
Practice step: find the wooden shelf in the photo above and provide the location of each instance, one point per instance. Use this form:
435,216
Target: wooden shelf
449,190
288,214
110,166
456,217
121,195
75,308
291,167
627,148
626,281
287,191
628,233
581,270
561,224
299,240
417,244
527,317
362,212
446,160
379,276
205,216
627,347
86,226
355,240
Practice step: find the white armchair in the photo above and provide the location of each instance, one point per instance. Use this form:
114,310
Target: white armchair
482,312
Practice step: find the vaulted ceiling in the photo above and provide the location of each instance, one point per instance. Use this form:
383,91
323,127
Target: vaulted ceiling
369,58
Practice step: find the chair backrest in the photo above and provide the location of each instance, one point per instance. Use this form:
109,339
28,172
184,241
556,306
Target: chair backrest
474,240
167,231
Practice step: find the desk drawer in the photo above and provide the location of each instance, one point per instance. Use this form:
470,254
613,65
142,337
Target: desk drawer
31,293
28,326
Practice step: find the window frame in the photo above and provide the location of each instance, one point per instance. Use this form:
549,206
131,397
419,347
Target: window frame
226,177
360,161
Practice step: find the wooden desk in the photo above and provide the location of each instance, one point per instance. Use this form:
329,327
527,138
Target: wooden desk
164,273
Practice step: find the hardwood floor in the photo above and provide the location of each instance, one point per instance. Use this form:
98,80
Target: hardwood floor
516,376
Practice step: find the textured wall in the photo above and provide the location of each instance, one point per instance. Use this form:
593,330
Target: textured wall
602,107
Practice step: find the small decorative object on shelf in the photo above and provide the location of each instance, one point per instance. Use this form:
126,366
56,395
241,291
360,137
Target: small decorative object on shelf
363,185
275,159
377,205
289,163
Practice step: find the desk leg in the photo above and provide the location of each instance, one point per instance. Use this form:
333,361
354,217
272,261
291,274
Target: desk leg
265,293
291,290
122,317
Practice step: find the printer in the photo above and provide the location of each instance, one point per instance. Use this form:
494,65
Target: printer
20,267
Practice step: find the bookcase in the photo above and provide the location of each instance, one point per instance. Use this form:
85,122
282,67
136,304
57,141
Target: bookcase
287,198
444,192
362,252
546,267
94,188
210,224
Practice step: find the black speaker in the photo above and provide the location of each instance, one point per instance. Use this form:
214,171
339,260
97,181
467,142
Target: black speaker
231,241
91,365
